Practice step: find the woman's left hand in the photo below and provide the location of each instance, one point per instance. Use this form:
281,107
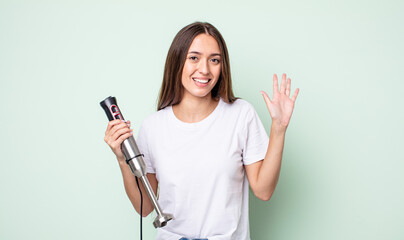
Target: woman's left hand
281,106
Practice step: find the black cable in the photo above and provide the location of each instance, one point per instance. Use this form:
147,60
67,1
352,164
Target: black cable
141,208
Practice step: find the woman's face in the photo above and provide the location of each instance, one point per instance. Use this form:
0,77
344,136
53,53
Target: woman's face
202,67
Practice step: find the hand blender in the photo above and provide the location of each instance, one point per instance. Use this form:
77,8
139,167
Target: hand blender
135,161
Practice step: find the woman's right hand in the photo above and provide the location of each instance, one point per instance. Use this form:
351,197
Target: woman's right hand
117,131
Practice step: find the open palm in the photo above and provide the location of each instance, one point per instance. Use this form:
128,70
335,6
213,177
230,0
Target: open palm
281,106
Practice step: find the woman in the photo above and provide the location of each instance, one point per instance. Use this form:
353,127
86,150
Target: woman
204,147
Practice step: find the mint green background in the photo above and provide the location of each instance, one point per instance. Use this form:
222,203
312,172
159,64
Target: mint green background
342,174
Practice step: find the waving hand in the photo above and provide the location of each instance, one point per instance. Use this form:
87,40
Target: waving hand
281,106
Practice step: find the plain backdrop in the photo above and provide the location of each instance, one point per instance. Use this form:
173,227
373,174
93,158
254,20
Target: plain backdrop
342,171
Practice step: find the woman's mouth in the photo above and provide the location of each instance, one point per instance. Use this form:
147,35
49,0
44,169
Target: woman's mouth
201,82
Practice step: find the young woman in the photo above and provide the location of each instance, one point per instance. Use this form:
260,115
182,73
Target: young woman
203,147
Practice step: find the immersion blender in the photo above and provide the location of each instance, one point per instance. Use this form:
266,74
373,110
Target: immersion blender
135,161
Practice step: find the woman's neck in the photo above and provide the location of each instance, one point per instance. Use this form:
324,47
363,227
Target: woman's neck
194,109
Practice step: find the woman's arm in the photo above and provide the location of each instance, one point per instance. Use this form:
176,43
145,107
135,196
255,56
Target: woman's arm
132,190
263,175
117,131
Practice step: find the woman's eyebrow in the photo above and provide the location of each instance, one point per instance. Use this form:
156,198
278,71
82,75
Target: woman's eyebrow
196,52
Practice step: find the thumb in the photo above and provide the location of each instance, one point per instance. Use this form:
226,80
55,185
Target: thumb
266,98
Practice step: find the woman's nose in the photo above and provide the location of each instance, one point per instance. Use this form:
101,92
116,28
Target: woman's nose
203,67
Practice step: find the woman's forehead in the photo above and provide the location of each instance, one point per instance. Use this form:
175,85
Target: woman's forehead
204,44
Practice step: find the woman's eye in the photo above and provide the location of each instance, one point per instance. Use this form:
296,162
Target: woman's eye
215,60
193,58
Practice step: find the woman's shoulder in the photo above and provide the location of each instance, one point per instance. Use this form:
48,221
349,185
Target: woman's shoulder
240,105
239,110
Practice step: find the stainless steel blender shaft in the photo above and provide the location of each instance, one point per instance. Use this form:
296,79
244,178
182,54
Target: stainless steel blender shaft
138,167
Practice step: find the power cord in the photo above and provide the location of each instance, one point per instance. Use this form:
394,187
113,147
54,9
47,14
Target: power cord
141,208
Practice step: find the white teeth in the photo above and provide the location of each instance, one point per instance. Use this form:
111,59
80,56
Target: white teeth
200,80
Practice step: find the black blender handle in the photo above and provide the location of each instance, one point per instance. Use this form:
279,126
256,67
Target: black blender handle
111,108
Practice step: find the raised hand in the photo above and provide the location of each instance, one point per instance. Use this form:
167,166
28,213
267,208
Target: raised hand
281,106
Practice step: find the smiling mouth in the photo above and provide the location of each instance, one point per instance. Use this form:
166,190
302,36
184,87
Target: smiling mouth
203,81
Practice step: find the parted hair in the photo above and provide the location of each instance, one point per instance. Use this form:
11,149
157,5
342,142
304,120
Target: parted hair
171,88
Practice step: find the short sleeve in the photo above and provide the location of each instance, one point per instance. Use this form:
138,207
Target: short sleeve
143,145
256,139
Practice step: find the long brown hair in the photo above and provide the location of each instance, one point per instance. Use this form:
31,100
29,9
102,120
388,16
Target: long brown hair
171,88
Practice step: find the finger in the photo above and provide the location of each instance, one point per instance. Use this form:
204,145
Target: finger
116,144
112,123
120,132
275,84
119,127
283,83
295,95
115,128
266,98
288,87
123,138
128,123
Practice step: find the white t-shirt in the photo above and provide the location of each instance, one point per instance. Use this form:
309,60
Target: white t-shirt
199,168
